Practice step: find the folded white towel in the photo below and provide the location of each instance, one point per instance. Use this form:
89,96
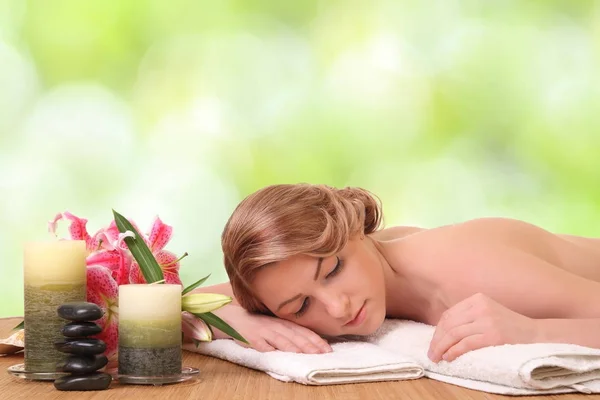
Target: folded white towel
350,362
522,369
398,350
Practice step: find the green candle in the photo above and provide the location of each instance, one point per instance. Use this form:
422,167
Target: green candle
150,330
54,274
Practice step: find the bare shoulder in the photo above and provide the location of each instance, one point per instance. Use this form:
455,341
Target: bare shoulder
491,224
473,225
479,238
494,229
475,238
475,241
498,224
395,232
451,240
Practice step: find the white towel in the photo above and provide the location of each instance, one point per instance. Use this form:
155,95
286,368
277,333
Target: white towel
523,369
350,362
398,350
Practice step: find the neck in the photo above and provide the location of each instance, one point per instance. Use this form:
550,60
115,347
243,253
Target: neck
407,296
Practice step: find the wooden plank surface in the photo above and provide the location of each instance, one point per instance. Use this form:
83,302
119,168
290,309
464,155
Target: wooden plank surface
222,380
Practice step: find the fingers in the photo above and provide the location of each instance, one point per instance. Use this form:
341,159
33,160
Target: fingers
451,320
320,343
469,325
446,340
458,313
283,343
311,337
292,340
305,345
277,334
261,346
469,343
462,313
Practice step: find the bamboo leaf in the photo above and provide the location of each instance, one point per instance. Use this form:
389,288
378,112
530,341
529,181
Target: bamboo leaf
212,319
20,326
142,254
194,285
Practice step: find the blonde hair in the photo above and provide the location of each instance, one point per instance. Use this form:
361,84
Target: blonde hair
281,221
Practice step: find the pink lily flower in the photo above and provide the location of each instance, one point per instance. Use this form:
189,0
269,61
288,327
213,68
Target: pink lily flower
159,236
77,229
105,248
105,294
108,265
113,253
194,328
117,261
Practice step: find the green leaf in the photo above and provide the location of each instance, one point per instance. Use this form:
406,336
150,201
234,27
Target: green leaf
142,254
20,326
212,319
194,285
212,333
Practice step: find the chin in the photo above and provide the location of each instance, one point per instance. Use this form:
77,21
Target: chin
375,322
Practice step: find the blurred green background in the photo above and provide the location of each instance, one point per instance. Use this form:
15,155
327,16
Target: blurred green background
448,110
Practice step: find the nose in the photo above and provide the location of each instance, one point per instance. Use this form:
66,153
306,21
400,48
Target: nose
337,305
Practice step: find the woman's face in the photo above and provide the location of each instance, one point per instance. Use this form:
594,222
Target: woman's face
343,294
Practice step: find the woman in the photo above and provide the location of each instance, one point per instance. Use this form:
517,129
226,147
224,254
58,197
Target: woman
306,261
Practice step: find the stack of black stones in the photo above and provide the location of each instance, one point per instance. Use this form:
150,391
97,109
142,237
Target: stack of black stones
85,353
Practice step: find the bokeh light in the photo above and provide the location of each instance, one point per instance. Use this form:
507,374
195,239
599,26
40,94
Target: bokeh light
446,110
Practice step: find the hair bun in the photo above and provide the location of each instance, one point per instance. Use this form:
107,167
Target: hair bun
365,203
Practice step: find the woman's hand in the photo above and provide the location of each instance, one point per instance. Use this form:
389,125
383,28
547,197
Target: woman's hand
267,333
477,322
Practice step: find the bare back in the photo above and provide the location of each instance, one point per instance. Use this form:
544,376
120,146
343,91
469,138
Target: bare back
413,250
576,254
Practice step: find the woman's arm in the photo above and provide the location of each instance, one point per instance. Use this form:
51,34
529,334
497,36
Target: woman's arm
584,332
264,333
395,232
512,297
520,281
480,322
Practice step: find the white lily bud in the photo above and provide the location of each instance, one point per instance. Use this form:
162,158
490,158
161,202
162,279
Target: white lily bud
199,303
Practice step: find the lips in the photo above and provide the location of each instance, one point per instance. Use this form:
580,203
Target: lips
358,317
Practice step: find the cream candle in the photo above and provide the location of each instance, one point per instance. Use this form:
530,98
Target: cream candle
54,273
150,330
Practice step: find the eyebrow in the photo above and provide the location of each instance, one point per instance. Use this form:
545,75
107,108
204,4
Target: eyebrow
296,297
318,271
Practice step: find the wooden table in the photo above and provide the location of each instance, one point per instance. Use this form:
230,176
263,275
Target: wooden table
223,380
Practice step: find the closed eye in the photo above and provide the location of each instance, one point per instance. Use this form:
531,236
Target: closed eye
306,302
336,270
303,307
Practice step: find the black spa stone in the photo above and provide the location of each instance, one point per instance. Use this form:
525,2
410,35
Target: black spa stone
86,347
82,364
95,381
81,329
81,311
